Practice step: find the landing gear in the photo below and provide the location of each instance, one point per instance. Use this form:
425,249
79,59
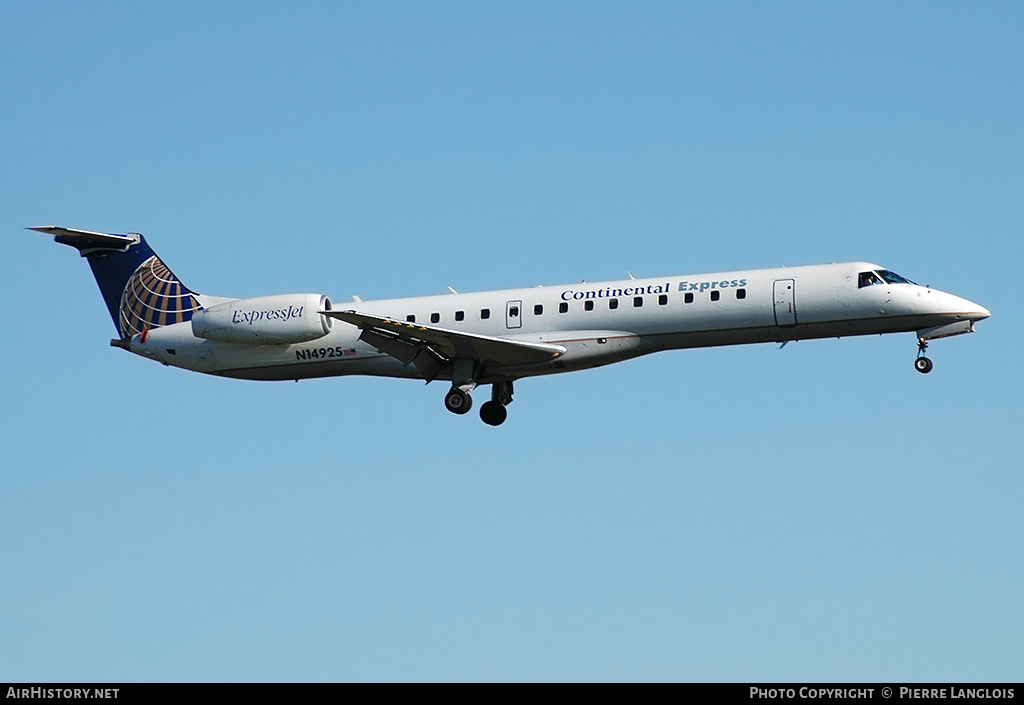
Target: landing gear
464,371
494,413
922,364
458,401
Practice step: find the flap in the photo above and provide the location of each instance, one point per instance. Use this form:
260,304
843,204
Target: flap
452,344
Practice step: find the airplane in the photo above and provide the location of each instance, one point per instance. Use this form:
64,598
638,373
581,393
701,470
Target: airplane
498,337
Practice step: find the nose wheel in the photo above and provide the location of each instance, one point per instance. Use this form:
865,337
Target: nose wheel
922,364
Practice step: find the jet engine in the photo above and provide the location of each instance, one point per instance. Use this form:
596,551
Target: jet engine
266,320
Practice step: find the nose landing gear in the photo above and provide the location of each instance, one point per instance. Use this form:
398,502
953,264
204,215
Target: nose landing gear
922,364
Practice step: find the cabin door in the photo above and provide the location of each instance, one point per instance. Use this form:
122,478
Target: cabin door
785,303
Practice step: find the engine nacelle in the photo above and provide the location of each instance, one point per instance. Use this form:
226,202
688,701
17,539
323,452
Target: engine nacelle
267,320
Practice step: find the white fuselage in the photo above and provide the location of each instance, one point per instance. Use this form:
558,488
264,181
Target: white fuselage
598,323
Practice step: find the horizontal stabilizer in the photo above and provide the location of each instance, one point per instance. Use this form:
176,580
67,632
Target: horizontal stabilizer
449,344
84,240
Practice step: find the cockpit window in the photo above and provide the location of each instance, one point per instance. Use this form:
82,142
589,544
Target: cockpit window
867,279
880,276
893,277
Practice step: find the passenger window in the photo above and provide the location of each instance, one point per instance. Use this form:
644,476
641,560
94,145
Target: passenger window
538,309
663,299
460,315
638,301
588,305
513,312
563,307
411,318
435,317
613,303
688,298
741,293
716,295
485,313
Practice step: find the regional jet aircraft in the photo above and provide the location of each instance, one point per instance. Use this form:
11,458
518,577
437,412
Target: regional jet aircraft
497,337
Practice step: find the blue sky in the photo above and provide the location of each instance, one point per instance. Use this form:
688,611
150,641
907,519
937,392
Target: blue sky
822,512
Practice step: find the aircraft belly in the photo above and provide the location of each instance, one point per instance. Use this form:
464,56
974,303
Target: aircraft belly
330,356
376,367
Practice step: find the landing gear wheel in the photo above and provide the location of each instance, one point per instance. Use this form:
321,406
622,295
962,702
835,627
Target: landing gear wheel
458,401
493,414
923,365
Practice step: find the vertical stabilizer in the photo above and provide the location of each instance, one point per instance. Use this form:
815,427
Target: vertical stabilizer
141,293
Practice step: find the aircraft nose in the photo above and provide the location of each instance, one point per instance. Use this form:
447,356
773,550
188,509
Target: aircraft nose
977,313
963,309
970,310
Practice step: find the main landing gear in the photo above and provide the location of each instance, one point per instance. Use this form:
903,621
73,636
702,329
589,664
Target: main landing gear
492,413
458,401
922,364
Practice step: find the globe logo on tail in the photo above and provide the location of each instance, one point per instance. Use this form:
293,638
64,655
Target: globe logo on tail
153,298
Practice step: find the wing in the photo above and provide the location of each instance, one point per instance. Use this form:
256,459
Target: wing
430,348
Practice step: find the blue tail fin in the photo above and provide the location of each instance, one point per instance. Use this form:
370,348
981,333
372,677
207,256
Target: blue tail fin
141,293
